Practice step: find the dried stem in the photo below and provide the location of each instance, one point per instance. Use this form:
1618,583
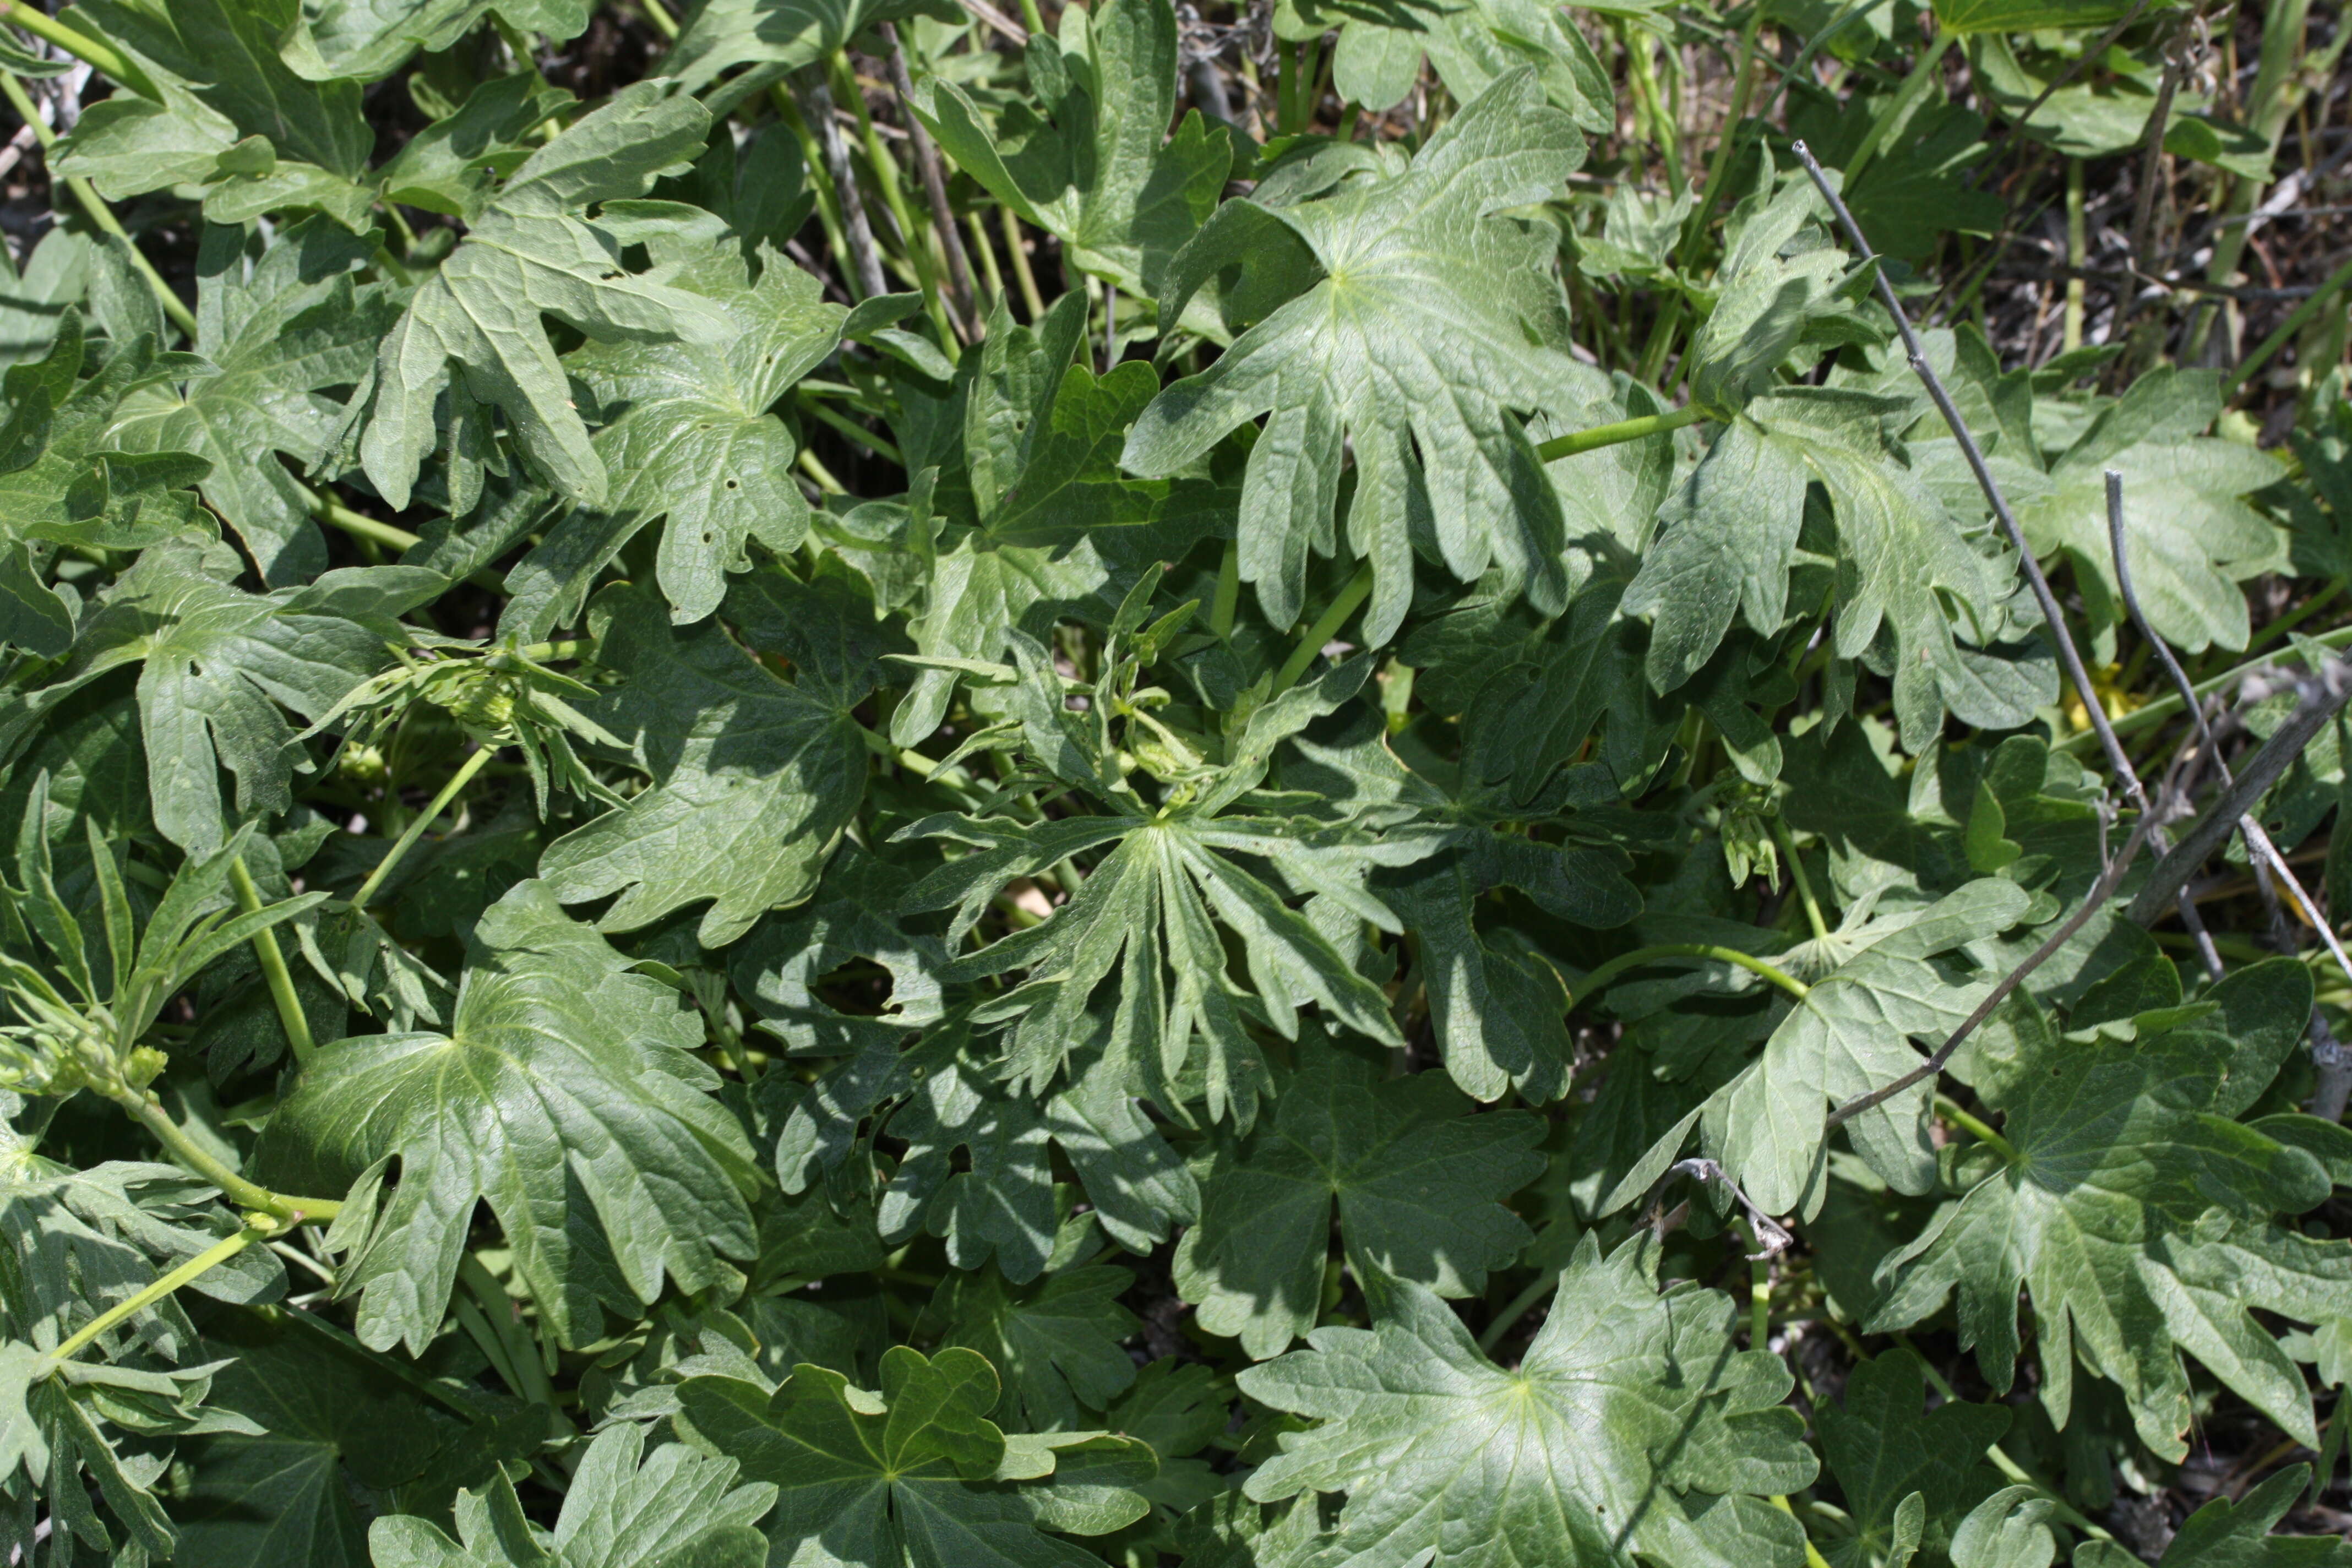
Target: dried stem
935,190
818,111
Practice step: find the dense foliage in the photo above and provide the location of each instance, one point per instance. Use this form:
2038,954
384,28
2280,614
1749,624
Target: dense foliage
876,785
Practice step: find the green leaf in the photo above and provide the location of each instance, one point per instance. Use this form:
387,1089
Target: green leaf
334,1429
219,665
278,335
1059,530
773,36
233,118
915,1477
1379,55
565,1095
2192,538
1632,1426
367,40
2137,1216
533,250
1423,331
1884,1453
62,480
1731,543
2223,1533
678,1508
691,437
1099,170
2022,15
1895,979
753,779
1057,1340
1418,1184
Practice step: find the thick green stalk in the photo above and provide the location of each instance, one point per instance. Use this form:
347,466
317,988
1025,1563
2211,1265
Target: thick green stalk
211,1257
150,1113
1601,977
1229,592
2077,247
424,819
95,205
1975,1127
1327,626
663,22
1019,251
93,52
1804,883
273,967
2269,105
1520,1306
1633,429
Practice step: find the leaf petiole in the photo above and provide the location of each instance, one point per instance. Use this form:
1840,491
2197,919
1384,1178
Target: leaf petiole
273,967
1616,966
91,52
1327,626
1633,429
150,1113
204,1262
423,819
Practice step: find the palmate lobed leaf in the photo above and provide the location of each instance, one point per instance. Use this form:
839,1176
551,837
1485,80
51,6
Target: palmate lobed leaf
2139,1216
916,1475
473,329
565,1097
1417,1184
1630,1427
1424,330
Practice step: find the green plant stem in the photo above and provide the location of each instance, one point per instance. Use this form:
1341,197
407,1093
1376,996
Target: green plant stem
1229,592
2000,1456
1720,163
663,22
359,525
149,1112
1813,1558
2297,319
91,52
211,1257
529,1375
1804,883
2077,246
1759,1294
2269,105
1975,1127
2296,617
1018,251
1663,128
879,446
1327,626
1633,429
273,967
1916,86
989,270
1518,1307
1600,978
95,205
473,764
2165,706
